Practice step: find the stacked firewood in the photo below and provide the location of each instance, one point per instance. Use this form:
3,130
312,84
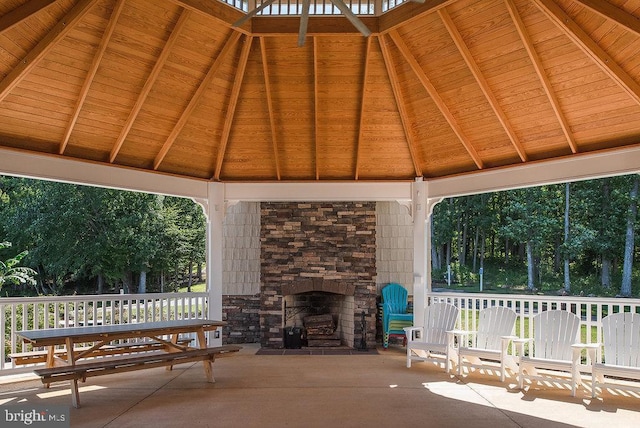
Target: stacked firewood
321,330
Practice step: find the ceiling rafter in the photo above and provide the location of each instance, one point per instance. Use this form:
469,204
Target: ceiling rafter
397,94
409,12
220,11
22,12
316,107
363,101
195,99
151,80
542,75
269,94
233,102
57,33
482,82
97,59
438,101
609,11
590,47
304,22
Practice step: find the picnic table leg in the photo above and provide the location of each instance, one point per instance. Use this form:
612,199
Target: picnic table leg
75,395
202,343
174,339
51,355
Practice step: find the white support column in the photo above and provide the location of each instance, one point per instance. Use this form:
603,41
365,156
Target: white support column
420,249
215,240
431,203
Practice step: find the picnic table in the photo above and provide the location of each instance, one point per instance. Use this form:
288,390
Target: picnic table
75,353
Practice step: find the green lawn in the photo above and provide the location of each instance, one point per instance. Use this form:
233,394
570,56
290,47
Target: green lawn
195,288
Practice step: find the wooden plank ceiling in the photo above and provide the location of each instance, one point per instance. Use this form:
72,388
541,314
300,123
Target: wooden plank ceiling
439,88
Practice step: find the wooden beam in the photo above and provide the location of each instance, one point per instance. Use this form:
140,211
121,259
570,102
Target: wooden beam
352,17
363,100
304,22
408,12
482,82
233,102
253,13
228,46
433,93
57,33
221,12
611,12
272,120
542,75
404,117
590,47
106,37
317,25
22,12
316,106
151,80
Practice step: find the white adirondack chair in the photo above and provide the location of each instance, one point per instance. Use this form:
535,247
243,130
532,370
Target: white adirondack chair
621,337
429,341
555,348
490,342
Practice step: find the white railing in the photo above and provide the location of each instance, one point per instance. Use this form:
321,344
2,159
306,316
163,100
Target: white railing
26,313
591,310
33,313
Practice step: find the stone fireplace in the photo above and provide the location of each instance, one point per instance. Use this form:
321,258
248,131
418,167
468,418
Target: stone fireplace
318,258
316,297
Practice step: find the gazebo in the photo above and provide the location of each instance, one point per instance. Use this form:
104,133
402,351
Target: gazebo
381,101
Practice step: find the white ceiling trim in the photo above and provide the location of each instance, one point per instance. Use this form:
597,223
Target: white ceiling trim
572,168
56,168
319,191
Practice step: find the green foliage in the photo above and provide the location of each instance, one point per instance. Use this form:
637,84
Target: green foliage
511,222
11,273
78,236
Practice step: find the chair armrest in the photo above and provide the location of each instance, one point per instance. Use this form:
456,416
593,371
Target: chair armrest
576,350
593,352
460,335
505,341
519,344
411,332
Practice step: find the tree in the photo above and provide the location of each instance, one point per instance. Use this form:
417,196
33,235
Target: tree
567,278
531,218
11,273
629,245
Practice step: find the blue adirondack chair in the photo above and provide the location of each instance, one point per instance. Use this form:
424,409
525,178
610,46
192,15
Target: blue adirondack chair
394,312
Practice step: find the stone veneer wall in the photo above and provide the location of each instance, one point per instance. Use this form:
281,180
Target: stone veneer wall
242,314
334,241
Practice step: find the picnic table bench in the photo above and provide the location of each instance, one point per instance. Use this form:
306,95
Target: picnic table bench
104,366
40,356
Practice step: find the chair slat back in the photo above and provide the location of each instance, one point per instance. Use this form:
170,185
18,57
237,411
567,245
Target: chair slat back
439,317
553,334
493,323
395,297
621,337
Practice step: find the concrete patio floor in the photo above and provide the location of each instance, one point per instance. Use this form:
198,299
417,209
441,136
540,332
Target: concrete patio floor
321,391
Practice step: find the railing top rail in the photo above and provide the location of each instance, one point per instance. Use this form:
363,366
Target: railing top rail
99,297
535,298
